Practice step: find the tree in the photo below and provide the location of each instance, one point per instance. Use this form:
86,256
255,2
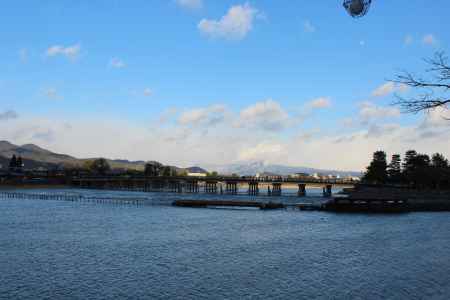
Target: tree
416,168
167,171
439,161
422,175
440,171
376,171
395,169
153,168
19,164
13,163
432,93
100,166
408,164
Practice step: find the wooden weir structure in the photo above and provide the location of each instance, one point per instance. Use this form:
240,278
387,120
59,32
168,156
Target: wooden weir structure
78,198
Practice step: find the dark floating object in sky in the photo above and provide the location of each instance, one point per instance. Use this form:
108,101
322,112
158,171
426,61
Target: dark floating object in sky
357,8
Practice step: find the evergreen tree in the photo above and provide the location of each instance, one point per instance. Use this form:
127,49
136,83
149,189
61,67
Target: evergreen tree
376,171
153,168
167,171
421,175
395,169
13,163
440,171
439,161
100,166
19,163
408,165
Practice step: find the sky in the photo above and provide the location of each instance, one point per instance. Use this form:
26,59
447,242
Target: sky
192,82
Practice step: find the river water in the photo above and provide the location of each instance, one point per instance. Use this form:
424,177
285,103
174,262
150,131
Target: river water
72,250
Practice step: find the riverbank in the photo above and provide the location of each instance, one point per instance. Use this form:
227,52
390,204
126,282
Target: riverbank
389,199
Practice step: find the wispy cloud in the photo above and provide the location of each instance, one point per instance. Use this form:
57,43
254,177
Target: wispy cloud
236,24
322,102
205,116
266,115
8,115
369,112
52,94
147,92
23,55
308,27
429,39
117,63
408,40
389,88
190,4
70,52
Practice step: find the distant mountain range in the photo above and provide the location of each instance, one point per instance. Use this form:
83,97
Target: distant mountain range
34,157
253,167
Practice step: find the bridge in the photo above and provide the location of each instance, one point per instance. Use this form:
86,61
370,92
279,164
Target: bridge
210,185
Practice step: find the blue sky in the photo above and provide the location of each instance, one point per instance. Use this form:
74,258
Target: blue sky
220,81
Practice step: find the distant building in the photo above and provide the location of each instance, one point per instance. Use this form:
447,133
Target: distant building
268,176
197,174
299,175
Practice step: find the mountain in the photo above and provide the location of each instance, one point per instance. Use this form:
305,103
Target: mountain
196,170
35,153
34,156
253,167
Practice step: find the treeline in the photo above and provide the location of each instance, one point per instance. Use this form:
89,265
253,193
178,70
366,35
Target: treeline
416,170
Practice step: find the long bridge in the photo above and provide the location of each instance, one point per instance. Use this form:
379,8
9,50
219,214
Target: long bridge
208,185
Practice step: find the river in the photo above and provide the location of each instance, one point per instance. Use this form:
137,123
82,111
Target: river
72,250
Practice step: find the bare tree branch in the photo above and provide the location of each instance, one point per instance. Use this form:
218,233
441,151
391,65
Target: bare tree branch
440,71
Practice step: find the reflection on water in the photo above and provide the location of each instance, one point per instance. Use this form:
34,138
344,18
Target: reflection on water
70,250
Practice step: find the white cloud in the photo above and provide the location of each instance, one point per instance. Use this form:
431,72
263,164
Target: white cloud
369,112
8,115
185,146
389,88
70,52
429,39
23,55
148,92
52,94
117,63
322,102
262,151
190,4
167,115
265,115
205,116
438,117
309,27
408,40
236,24
377,131
384,90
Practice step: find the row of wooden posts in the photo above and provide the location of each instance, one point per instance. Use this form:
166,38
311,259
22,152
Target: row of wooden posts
77,198
209,187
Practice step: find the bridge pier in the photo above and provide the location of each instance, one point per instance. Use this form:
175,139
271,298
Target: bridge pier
231,187
173,186
301,190
276,189
192,186
327,190
253,188
211,187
